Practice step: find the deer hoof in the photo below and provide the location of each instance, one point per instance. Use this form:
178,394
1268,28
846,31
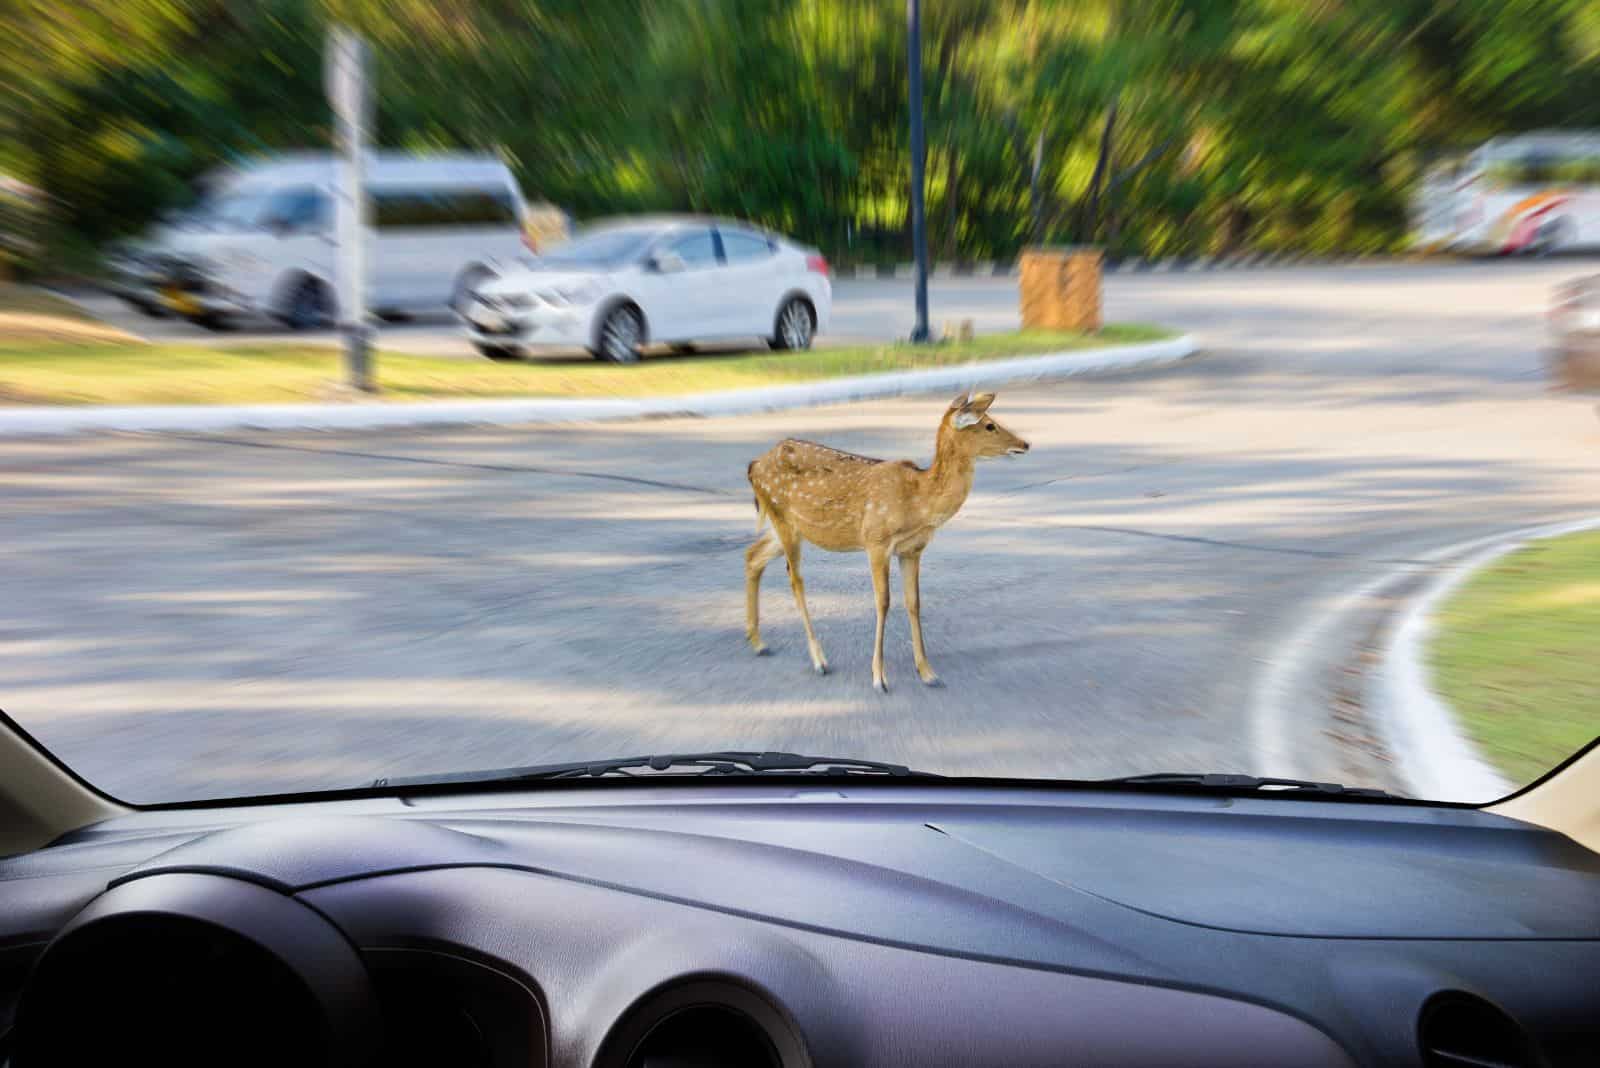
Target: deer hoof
761,650
820,669
880,685
932,681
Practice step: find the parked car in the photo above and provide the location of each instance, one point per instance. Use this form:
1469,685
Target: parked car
440,225
619,285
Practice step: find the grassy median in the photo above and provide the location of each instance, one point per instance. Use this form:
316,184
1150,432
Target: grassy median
41,366
1516,651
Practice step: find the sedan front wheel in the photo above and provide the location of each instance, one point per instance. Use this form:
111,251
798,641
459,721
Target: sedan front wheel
621,334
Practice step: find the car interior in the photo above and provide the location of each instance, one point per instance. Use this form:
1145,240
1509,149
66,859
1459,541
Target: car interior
774,910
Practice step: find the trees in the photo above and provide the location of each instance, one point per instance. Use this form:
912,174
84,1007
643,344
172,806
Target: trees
1150,125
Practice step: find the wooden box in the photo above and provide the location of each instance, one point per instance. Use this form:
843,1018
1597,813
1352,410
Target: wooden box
1061,289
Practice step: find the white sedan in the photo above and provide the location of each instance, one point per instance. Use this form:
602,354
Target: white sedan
672,280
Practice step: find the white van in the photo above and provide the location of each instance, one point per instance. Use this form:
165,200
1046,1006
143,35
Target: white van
439,226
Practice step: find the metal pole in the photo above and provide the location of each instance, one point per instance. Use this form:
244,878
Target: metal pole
350,95
919,228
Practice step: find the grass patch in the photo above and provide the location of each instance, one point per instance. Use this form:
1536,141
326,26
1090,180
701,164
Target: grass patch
1514,651
64,373
32,316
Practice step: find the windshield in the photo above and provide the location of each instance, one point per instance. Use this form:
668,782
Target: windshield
237,211
602,247
1174,393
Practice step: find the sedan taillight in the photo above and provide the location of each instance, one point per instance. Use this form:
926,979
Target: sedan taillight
818,263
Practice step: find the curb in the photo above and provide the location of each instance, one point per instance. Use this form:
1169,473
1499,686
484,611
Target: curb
56,419
1130,265
1433,754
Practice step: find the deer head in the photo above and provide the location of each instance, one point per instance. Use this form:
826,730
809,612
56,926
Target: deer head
972,431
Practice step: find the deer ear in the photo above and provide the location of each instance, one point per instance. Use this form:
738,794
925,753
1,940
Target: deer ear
961,401
981,402
964,418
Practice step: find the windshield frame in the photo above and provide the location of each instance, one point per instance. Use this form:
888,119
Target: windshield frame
405,793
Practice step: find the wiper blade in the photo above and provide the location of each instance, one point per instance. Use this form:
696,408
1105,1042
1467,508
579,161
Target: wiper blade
716,763
1223,782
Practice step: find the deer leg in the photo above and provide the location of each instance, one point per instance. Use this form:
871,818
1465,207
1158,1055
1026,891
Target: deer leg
756,558
911,577
879,559
791,550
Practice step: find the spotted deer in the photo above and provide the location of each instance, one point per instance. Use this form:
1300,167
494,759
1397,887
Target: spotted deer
847,503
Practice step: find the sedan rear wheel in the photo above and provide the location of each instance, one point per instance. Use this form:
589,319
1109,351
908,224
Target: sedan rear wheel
796,327
621,333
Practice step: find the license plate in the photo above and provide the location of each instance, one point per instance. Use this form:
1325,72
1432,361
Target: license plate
182,303
487,319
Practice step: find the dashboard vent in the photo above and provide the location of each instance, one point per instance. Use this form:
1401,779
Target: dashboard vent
1459,1030
703,1023
706,1036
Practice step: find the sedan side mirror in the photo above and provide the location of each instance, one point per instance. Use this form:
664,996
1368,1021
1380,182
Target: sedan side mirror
667,262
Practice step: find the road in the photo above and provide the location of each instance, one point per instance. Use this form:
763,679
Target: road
187,617
880,309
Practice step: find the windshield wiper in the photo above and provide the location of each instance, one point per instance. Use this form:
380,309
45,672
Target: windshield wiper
716,763
1227,783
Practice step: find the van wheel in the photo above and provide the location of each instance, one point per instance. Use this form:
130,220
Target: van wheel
1550,237
310,306
795,326
621,334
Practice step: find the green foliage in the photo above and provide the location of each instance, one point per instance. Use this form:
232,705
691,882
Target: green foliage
1269,124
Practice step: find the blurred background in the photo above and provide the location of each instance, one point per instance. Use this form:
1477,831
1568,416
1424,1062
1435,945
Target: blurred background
1155,127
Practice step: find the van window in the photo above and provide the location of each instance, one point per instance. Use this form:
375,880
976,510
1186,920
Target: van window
427,208
297,209
238,211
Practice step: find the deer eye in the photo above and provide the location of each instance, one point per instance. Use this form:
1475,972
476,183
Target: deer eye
988,426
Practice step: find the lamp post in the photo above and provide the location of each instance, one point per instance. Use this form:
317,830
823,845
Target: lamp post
348,80
919,227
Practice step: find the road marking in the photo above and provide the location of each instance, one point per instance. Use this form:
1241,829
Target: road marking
1430,754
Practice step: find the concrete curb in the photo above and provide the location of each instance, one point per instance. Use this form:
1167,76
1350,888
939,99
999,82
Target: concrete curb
56,420
1432,753
1132,265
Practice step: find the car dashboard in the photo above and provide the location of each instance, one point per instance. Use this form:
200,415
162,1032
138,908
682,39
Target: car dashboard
793,923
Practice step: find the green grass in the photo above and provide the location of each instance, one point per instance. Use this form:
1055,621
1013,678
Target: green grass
34,371
1516,651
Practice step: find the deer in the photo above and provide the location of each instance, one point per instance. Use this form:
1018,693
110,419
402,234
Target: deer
843,502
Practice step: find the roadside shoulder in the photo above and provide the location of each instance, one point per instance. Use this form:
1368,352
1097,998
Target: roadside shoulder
54,420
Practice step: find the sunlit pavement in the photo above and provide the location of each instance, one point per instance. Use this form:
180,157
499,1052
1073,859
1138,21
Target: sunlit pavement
191,617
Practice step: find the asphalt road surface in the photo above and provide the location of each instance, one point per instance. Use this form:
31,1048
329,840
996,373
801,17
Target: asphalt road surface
189,617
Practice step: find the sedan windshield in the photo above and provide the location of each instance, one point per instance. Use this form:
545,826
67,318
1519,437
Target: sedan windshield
603,247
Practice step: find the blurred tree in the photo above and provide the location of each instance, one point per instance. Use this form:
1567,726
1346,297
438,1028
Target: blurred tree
1152,125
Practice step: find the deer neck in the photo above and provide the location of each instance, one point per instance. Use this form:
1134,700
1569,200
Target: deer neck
948,479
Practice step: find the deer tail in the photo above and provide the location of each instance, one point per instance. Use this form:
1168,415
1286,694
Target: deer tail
761,510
